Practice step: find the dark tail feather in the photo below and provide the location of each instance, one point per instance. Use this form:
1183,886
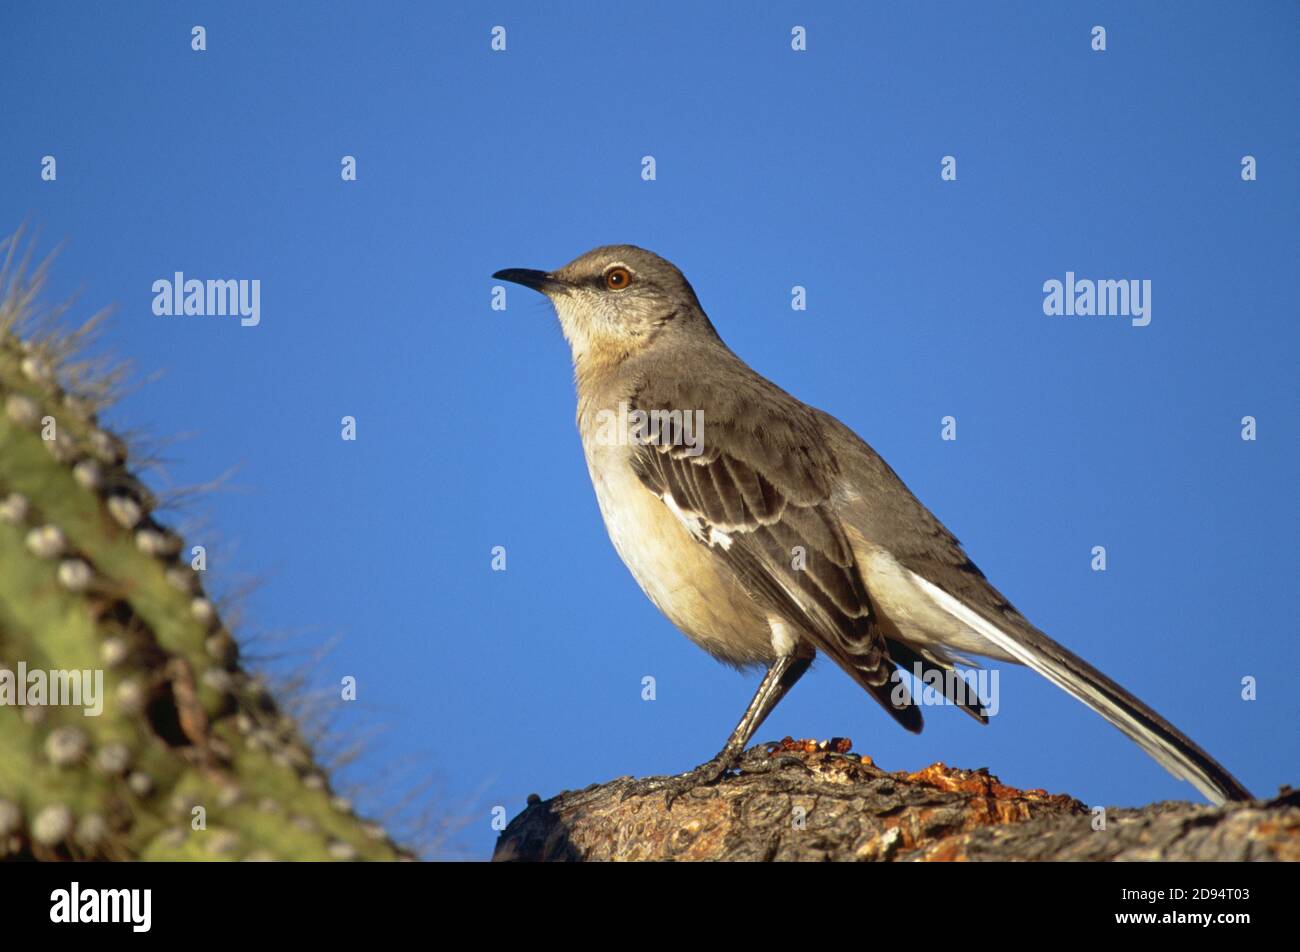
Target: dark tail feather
1173,749
908,660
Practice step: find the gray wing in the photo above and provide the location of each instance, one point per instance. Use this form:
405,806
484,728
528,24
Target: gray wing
757,491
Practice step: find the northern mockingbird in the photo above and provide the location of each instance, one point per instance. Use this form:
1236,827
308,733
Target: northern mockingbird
777,532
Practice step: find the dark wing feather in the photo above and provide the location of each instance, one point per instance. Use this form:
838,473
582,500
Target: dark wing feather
759,499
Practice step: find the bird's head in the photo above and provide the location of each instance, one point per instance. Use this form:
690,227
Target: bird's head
615,300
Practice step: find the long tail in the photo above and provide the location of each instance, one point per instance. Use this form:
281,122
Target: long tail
1169,746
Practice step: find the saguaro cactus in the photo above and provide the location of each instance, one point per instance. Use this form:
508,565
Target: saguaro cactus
189,757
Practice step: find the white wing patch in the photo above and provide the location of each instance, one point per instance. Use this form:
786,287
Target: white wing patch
696,526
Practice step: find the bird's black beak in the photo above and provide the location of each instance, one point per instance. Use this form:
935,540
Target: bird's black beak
537,280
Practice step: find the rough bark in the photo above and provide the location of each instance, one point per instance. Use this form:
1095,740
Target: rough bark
831,805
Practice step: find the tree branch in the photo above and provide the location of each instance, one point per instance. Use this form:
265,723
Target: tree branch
838,806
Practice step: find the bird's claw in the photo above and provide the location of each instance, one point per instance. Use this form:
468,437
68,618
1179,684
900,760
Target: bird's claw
756,760
674,787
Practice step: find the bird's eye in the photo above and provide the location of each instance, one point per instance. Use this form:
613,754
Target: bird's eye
616,279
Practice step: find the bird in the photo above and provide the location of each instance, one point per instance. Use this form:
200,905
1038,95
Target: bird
773,533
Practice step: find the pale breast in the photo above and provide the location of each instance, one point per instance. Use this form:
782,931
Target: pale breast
678,573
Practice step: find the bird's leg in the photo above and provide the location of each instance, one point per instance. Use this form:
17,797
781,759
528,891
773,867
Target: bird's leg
778,681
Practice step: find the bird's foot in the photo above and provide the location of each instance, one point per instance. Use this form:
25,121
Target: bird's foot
757,760
706,774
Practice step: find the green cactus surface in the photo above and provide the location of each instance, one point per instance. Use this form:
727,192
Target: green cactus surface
190,757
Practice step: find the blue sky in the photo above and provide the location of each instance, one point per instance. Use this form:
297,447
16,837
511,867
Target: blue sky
774,168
